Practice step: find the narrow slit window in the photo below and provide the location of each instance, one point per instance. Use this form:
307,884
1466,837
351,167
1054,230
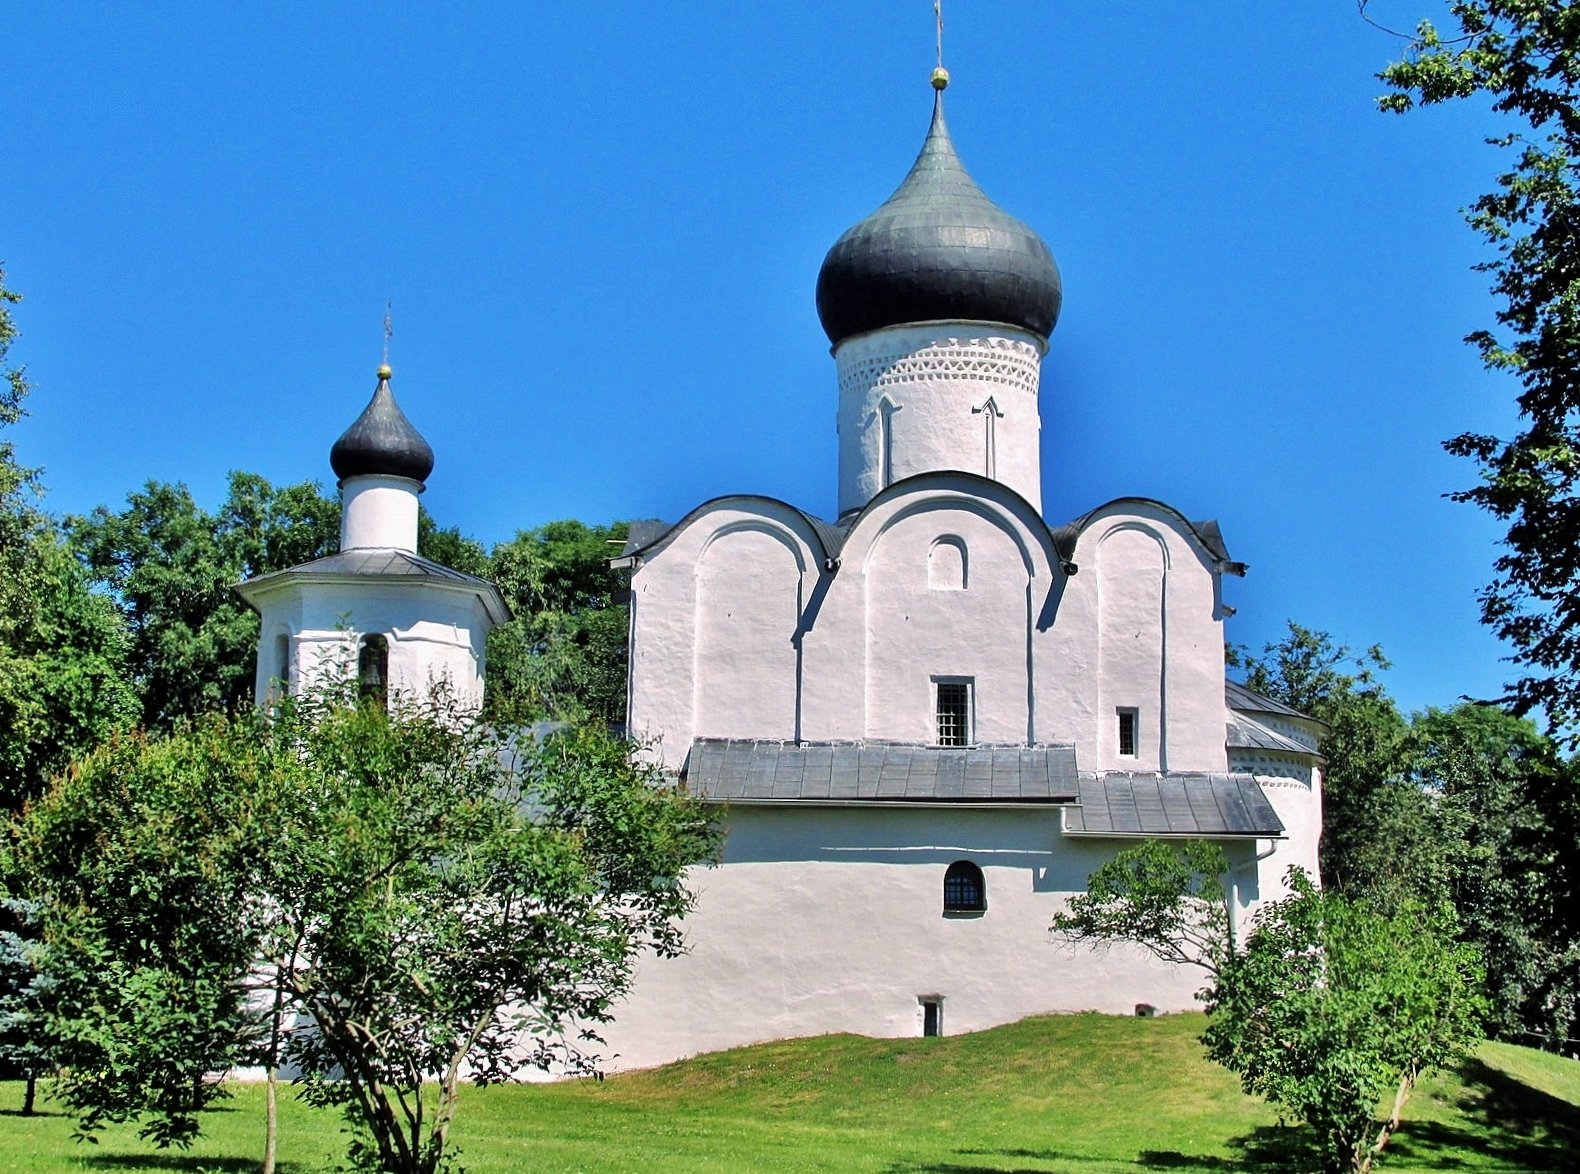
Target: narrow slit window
932,1015
1127,733
953,711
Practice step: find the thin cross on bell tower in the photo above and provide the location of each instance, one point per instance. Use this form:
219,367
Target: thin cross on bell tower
389,333
940,74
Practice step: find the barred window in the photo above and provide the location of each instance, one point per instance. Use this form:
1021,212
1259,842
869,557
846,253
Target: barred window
964,889
1127,732
373,671
953,712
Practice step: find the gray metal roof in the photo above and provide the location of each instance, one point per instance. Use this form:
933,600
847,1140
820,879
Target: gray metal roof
746,770
1125,804
382,441
938,249
1206,532
383,563
830,535
1246,733
380,561
1241,698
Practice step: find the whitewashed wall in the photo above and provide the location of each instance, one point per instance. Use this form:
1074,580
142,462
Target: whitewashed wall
742,631
916,399
831,919
435,633
1142,621
379,512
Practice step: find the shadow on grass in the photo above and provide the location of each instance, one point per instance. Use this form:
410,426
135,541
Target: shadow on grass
1272,1149
185,1164
1502,1123
1502,1120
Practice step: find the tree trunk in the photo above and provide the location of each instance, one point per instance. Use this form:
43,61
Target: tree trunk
30,1095
271,1119
1406,1084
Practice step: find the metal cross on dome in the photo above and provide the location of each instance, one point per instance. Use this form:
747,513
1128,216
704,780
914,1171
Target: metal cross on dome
389,329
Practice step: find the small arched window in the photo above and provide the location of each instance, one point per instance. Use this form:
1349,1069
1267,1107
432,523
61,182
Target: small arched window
373,670
964,889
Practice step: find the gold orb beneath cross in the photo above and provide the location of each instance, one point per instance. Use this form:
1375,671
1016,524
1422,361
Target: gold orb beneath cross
940,78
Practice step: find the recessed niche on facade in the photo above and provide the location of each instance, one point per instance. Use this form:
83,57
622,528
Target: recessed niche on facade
947,565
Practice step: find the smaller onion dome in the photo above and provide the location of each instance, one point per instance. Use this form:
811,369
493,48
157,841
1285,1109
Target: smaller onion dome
938,249
381,442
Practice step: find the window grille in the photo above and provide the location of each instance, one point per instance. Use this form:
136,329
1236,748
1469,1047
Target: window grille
373,671
1127,732
964,889
954,713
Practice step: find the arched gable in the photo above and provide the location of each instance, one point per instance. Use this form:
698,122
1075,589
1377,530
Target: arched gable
1140,627
943,578
717,611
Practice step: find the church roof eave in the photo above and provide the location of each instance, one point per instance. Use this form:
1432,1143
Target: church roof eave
1206,533
366,565
831,537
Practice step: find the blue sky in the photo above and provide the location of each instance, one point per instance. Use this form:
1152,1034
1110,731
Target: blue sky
600,226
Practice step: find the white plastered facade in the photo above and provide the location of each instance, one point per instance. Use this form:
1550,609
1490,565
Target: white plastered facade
752,621
314,618
312,627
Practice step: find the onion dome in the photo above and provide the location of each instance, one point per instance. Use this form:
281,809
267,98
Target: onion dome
381,442
938,249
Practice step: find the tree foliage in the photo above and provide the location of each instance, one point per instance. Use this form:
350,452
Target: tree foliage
139,860
1525,56
1332,1005
1506,828
1167,898
1376,838
1470,805
63,685
422,896
24,1049
1327,1005
564,656
170,566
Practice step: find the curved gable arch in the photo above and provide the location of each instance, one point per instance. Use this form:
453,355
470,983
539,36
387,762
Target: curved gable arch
771,527
1135,526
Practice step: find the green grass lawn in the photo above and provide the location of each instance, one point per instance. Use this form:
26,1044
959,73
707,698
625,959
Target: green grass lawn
1067,1093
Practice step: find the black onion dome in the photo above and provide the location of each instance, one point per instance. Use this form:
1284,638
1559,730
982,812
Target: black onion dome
381,441
937,249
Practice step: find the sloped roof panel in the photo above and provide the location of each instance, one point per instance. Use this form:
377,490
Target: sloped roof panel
1217,806
746,770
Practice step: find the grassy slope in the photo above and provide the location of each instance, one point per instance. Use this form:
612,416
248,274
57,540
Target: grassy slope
1075,1093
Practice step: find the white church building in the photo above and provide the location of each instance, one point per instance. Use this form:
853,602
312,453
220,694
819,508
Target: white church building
923,723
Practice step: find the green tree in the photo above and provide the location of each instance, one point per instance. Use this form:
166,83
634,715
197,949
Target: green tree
564,656
1167,898
434,895
24,1050
1377,833
139,860
1506,808
1525,56
1326,1007
1332,1005
63,685
170,566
